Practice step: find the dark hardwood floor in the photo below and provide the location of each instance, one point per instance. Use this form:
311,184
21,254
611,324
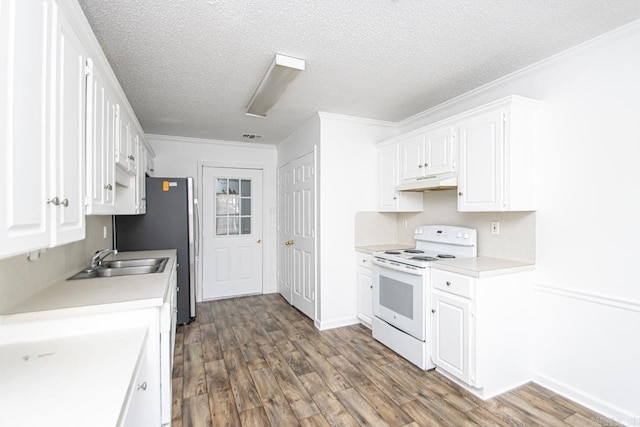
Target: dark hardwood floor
257,361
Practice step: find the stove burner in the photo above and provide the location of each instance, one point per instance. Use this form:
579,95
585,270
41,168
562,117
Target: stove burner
446,256
392,252
413,251
424,258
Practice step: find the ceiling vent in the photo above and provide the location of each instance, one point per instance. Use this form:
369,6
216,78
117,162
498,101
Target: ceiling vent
251,136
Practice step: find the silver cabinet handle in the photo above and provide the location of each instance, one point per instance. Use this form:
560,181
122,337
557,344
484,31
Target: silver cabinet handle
426,165
448,283
395,198
131,158
65,203
55,201
433,310
420,166
108,187
460,193
142,386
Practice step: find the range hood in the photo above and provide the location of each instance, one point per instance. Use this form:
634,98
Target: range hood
444,181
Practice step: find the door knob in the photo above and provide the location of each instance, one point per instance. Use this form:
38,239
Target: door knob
259,241
288,242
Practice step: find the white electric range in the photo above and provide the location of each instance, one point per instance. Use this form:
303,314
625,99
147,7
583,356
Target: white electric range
402,287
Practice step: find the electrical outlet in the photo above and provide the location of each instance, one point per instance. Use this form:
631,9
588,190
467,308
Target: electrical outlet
495,227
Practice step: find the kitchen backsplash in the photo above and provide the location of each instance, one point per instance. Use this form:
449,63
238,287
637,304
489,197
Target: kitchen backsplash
21,278
517,229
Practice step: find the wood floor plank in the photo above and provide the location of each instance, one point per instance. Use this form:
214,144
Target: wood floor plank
352,374
297,362
391,388
192,333
422,415
581,410
295,393
260,336
225,334
579,420
328,373
244,391
315,421
196,412
536,414
335,413
211,349
443,410
255,417
250,349
224,412
273,401
361,410
178,366
388,410
177,351
217,376
548,406
506,413
484,417
176,402
195,381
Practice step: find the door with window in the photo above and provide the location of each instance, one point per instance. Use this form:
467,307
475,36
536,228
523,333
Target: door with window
232,232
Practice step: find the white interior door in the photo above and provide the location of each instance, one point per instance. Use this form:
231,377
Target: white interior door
232,232
297,234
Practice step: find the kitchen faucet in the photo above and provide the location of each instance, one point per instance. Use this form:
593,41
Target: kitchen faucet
96,259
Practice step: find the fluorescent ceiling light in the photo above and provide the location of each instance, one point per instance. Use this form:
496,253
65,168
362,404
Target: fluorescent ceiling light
282,71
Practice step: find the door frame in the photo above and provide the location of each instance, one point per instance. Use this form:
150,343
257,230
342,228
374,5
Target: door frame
200,192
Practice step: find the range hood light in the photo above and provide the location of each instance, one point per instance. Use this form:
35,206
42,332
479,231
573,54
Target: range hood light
280,74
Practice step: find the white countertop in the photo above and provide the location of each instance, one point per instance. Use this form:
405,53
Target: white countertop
387,247
483,266
73,381
97,295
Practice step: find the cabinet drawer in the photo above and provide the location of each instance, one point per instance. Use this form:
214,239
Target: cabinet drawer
364,260
454,283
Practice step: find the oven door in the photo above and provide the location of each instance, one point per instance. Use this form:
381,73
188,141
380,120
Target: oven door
399,296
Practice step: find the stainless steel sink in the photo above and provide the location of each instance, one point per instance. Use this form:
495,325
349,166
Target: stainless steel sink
142,262
126,267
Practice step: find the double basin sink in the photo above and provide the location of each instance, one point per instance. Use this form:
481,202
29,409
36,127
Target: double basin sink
124,267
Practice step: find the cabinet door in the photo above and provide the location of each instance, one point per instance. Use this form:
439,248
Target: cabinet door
69,172
439,151
123,141
412,157
100,143
25,42
481,178
141,182
365,294
451,347
389,178
143,405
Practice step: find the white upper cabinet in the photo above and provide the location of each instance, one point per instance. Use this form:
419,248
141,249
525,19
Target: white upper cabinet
497,147
69,129
25,80
103,114
429,152
391,200
42,108
131,189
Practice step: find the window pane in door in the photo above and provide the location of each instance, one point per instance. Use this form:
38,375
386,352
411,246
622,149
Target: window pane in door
221,186
234,187
246,188
245,207
221,226
234,225
245,223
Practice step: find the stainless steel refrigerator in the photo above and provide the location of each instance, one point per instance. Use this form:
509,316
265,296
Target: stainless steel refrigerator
171,222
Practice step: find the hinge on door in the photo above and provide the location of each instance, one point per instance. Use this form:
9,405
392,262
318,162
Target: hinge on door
86,201
177,288
88,68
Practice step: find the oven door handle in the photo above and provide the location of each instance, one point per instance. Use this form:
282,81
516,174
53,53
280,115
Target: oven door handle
391,265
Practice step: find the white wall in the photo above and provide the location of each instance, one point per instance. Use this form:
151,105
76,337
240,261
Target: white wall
348,184
21,278
588,227
180,157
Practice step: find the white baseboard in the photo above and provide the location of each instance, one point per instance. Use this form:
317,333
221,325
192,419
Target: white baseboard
592,402
336,323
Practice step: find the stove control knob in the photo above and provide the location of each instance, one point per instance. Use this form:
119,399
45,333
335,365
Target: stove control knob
466,235
419,231
459,235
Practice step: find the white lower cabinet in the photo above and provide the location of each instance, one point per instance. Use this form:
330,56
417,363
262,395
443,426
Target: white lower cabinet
480,330
365,287
140,409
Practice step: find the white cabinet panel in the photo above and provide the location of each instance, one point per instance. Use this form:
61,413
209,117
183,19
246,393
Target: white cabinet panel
391,200
69,172
439,151
412,157
497,157
451,334
25,43
365,288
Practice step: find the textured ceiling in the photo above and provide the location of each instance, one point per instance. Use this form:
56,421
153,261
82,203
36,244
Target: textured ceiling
189,68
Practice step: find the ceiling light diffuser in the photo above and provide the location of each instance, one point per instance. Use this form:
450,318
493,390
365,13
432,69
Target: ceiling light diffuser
280,74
